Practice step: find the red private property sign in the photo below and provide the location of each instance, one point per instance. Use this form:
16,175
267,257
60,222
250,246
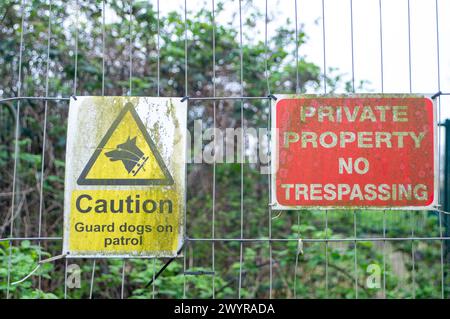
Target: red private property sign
374,151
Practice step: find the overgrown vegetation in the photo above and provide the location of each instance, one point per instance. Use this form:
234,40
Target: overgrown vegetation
308,280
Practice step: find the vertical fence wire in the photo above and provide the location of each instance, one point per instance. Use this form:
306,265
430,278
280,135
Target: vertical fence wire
409,47
297,88
354,211
213,217
381,46
325,92
16,147
130,45
130,93
355,243
266,53
186,94
153,278
122,286
412,213
384,255
242,147
91,288
65,277
297,252
324,49
103,46
326,255
297,91
74,92
158,50
352,46
77,14
382,91
157,94
269,125
44,136
438,62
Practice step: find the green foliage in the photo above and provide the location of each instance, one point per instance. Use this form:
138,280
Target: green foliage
295,274
22,260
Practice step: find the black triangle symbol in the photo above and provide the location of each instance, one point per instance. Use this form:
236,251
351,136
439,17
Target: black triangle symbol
168,180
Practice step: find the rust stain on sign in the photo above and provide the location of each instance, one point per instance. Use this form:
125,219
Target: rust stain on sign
125,185
375,151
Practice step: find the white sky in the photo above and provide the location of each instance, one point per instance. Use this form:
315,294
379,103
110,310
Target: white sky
366,39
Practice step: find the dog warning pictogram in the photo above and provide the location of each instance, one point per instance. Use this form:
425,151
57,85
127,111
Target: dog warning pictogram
126,156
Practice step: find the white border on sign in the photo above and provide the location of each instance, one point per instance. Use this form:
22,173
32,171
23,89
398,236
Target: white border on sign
274,154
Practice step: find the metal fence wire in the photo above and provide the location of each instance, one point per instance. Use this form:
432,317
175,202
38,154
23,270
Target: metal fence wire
256,252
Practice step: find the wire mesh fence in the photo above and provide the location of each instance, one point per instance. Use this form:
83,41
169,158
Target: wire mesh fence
235,244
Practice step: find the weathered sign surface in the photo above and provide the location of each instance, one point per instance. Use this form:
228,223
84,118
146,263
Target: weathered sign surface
375,151
125,177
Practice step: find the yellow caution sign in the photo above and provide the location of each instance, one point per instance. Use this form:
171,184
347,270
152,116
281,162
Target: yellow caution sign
125,186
